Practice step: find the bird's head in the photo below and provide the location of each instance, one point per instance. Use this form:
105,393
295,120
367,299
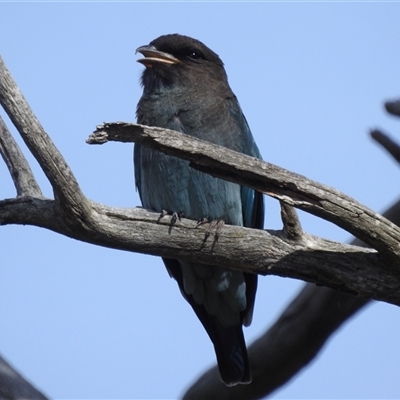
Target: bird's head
172,59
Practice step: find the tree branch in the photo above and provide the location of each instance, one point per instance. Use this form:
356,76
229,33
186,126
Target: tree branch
291,223
14,386
342,267
57,171
286,347
276,356
285,253
393,107
387,143
323,262
291,188
20,171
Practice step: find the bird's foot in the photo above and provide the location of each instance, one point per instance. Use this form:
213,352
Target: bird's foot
202,221
174,215
163,214
214,227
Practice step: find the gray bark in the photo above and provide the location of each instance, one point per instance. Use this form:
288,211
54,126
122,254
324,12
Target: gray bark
368,273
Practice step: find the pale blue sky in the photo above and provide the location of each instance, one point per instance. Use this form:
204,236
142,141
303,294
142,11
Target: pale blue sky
82,321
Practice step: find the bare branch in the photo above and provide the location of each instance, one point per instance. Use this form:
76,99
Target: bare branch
278,354
14,386
323,262
393,107
289,253
387,143
20,171
65,186
287,346
289,187
339,266
291,223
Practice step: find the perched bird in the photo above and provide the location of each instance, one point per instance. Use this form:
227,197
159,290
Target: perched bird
185,88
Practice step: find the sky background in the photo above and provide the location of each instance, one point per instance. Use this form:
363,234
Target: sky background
81,321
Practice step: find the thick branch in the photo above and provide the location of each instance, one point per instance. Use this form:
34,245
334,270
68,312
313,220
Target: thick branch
339,266
312,259
286,347
293,189
314,315
278,355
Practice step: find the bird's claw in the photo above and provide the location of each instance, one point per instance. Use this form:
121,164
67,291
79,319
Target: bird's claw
202,221
174,215
215,227
163,214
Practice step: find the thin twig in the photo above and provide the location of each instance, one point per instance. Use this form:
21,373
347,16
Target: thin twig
291,222
393,107
20,171
387,143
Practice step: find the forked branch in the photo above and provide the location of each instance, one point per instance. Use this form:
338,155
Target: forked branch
290,252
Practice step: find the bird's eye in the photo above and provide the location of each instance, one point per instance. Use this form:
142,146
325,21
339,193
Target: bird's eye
195,55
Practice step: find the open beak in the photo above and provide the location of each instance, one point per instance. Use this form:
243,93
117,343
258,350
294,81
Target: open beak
154,56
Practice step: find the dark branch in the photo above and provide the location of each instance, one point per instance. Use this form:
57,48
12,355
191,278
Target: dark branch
393,107
277,359
14,386
286,347
279,354
387,143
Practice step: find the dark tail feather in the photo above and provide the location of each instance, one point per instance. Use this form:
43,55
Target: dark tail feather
229,344
231,352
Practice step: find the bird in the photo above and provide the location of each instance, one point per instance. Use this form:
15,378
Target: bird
186,89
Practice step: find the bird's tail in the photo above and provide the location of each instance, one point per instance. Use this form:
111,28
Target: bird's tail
231,352
229,344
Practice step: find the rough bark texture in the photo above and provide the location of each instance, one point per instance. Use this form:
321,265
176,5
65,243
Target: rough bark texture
315,313
339,266
291,188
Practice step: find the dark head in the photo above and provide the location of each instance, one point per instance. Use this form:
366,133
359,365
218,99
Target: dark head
174,57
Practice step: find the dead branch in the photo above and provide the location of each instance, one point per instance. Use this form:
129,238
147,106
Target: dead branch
289,187
278,355
387,143
20,171
13,386
290,252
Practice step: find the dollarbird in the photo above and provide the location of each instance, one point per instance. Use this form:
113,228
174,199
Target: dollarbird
185,88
